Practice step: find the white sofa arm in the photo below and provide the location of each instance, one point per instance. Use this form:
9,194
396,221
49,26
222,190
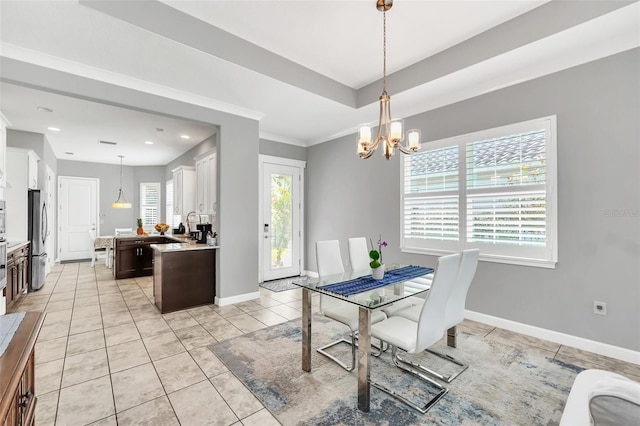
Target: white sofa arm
602,398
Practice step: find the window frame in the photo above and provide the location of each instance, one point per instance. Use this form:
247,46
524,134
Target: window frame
150,226
518,255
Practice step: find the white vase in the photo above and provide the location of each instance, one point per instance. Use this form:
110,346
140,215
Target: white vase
378,273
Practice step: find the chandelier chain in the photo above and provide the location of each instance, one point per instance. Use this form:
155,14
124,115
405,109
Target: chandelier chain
384,51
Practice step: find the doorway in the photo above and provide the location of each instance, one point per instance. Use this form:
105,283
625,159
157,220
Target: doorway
78,214
281,212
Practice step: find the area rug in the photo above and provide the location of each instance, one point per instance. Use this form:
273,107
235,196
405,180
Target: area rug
280,285
503,385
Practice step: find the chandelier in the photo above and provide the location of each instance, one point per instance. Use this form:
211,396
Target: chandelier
390,132
121,202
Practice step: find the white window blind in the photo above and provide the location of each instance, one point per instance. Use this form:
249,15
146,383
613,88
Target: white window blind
149,204
493,190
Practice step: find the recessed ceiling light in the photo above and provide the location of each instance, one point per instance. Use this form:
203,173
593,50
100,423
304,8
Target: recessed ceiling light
148,142
44,109
53,129
185,136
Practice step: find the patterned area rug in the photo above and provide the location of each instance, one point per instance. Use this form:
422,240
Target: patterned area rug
503,385
280,285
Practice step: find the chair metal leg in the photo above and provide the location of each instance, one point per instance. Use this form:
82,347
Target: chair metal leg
337,342
446,379
354,345
442,391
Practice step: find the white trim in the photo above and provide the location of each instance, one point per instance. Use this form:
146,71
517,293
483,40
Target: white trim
281,161
19,53
311,274
605,349
225,301
484,257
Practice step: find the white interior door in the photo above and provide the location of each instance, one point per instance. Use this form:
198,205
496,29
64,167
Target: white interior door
78,213
51,230
281,225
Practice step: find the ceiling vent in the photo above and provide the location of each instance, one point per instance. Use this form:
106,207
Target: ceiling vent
108,143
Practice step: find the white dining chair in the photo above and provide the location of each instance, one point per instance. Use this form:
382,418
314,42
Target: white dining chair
454,313
92,248
414,337
329,262
359,254
124,232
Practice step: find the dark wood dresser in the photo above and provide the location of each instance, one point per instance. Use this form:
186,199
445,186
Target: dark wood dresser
17,374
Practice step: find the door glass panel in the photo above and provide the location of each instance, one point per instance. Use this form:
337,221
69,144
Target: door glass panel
281,221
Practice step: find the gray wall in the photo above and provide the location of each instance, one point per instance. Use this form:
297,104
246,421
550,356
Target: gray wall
109,177
188,158
278,149
39,143
598,110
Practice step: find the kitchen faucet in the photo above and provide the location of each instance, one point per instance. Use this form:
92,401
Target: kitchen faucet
189,223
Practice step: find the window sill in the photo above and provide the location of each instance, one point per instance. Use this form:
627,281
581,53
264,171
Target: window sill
536,263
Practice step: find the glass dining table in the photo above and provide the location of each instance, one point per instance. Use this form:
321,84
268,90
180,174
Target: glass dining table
359,289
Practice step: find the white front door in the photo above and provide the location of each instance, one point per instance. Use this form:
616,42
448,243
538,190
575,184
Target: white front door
78,214
281,226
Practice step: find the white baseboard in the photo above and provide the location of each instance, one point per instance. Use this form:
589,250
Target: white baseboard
311,274
605,349
224,301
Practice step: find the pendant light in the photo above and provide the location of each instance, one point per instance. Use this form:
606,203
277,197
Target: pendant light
390,132
121,202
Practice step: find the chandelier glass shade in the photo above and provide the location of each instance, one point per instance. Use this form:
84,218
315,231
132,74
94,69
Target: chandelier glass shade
120,202
390,132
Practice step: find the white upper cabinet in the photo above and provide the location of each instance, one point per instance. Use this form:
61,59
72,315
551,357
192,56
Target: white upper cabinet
184,178
212,187
22,175
206,190
32,170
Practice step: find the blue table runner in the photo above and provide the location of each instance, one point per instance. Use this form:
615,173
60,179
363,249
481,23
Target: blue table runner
358,285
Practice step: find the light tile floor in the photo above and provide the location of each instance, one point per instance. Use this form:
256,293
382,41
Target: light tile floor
106,356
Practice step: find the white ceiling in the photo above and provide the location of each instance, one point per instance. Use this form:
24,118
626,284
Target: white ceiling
308,70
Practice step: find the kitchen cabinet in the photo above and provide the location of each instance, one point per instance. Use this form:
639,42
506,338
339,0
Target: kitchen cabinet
3,150
22,175
134,257
17,273
206,190
17,372
184,180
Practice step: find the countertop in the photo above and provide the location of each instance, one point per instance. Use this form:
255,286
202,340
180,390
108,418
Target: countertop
143,237
174,247
15,245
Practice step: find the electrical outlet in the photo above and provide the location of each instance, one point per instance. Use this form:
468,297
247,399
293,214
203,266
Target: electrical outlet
599,308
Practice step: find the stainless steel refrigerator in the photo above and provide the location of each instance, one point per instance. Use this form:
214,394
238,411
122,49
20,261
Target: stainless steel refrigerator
38,229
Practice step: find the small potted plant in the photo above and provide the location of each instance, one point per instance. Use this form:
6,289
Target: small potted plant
377,267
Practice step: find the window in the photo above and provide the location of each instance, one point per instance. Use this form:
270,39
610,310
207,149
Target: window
493,189
149,204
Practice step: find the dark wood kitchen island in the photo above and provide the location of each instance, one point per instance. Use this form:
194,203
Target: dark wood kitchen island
184,275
